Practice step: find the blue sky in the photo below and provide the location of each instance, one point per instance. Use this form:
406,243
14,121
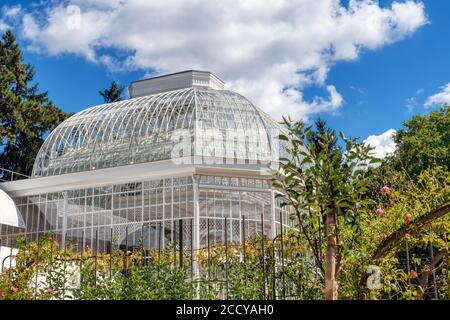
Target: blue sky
365,72
416,67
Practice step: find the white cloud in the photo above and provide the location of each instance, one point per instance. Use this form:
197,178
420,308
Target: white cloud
357,89
11,12
3,25
384,143
269,51
412,102
441,98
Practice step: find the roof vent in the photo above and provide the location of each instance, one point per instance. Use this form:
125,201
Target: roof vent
174,81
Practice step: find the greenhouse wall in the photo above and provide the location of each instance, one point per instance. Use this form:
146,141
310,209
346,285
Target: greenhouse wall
153,213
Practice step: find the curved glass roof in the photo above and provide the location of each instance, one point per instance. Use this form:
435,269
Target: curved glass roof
186,122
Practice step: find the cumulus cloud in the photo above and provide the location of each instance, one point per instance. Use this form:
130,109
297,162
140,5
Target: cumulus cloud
441,98
269,51
8,13
384,143
11,12
3,26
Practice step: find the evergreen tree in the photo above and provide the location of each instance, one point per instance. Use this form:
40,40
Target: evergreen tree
322,134
26,115
113,93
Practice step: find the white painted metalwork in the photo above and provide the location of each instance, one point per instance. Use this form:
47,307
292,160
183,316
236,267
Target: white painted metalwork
9,214
196,154
191,121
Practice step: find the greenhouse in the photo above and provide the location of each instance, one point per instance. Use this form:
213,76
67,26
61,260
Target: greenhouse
182,161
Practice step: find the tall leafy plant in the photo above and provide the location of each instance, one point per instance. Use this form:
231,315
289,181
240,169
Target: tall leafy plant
323,179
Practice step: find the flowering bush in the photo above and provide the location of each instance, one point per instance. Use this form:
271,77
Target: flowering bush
260,268
69,274
405,269
234,271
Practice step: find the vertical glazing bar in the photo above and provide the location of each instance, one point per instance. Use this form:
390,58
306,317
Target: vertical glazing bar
180,233
64,219
263,257
111,250
273,228
125,262
171,206
243,238
209,249
195,189
3,261
37,267
174,223
25,241
159,242
10,261
142,245
283,293
64,267
149,246
51,259
81,258
274,270
192,248
164,214
95,258
226,257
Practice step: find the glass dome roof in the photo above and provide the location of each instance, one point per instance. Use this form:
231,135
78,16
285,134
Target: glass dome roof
186,122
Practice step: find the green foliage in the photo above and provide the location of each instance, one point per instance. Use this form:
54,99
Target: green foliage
320,178
235,271
70,274
324,175
424,143
26,115
405,197
113,93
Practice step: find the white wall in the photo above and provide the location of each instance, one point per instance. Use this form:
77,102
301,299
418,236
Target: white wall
5,252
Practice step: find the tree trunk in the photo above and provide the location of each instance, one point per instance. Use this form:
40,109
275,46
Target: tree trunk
331,287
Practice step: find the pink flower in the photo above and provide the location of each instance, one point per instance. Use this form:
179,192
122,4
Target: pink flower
2,294
380,211
384,190
408,235
13,289
408,218
413,274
